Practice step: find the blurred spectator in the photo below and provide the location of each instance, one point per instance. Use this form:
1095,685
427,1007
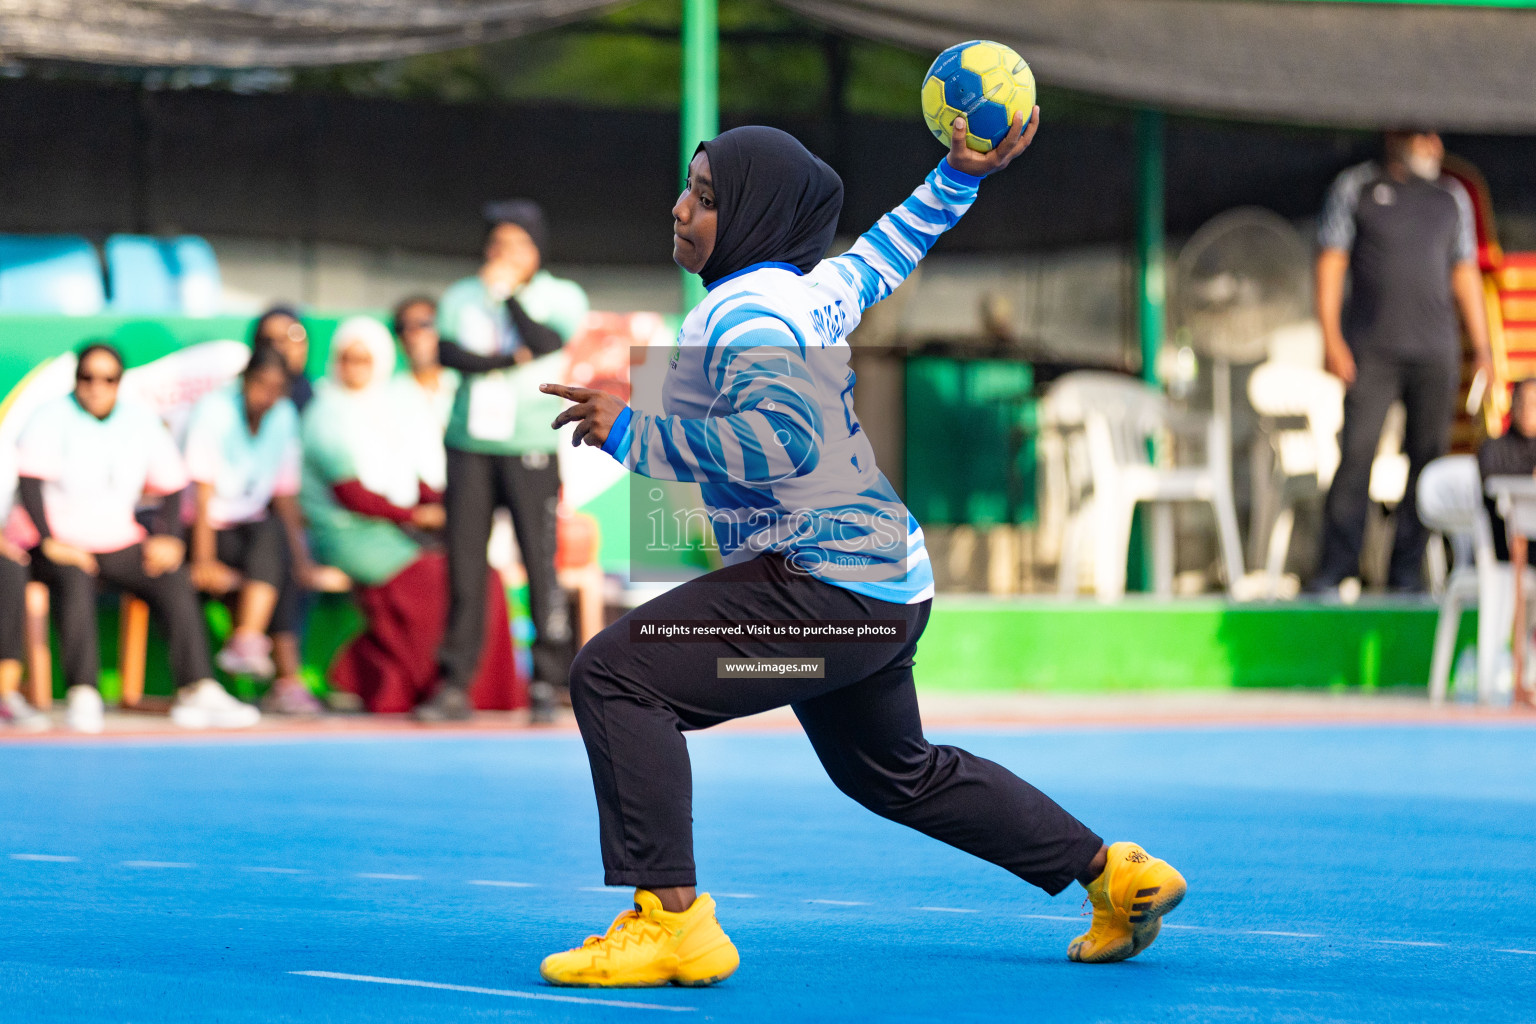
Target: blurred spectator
1403,235
501,451
373,476
243,456
84,460
14,709
279,328
416,327
1513,454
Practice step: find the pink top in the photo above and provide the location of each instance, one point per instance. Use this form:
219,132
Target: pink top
95,471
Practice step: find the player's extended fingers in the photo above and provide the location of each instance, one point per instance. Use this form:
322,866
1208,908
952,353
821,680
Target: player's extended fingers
580,434
566,391
1031,129
572,413
1018,138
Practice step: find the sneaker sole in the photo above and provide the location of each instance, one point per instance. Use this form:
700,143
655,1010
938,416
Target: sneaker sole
725,970
1145,930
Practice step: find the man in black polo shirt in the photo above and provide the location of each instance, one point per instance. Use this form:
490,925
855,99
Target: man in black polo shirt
1404,236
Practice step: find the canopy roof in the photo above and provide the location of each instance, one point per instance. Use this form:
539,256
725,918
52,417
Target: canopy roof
1370,65
266,33
1367,65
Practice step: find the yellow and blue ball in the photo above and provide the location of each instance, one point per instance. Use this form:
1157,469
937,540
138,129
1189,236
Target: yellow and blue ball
987,82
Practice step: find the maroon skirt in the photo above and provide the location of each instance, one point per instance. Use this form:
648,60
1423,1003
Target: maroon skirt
392,666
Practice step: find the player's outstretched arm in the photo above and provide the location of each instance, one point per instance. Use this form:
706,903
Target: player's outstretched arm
883,257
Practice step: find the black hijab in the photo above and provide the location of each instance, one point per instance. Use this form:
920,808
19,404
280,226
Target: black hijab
775,201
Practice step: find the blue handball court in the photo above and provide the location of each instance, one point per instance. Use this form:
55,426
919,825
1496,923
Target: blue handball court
1341,872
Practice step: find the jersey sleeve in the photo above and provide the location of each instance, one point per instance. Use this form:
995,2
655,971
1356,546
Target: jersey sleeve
204,441
463,320
1464,246
1336,225
290,462
166,469
885,254
771,428
40,449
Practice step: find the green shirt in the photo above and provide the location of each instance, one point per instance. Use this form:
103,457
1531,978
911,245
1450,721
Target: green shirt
368,549
504,412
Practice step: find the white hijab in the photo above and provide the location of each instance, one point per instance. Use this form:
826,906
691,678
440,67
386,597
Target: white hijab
394,438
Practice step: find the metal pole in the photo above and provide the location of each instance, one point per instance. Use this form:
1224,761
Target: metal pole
1150,281
1151,295
701,99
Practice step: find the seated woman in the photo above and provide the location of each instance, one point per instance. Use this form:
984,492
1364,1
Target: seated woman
84,461
243,456
1513,454
373,476
279,328
15,712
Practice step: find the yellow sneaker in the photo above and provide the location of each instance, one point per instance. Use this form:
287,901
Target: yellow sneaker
1129,901
648,946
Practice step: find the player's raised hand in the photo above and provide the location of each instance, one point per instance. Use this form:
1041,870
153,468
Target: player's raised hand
594,412
964,158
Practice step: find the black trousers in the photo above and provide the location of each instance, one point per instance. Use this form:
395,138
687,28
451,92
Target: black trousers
1428,393
13,610
634,700
529,488
72,596
259,551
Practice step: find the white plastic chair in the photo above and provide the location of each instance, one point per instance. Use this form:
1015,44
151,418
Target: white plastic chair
1450,500
1301,410
1109,423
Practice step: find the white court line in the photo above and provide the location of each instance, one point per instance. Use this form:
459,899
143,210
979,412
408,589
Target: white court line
737,895
276,871
840,903
1055,917
1284,935
510,993
388,877
503,885
157,864
1522,952
1405,942
605,888
947,910
51,858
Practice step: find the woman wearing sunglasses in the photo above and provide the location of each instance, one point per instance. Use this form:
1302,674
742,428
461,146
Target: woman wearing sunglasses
84,462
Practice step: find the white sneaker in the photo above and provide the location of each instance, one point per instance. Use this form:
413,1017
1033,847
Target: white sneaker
85,712
207,705
16,712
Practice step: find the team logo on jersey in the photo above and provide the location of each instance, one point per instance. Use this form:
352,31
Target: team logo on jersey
829,321
1383,194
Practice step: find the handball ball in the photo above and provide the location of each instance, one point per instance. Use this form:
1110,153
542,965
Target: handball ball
987,82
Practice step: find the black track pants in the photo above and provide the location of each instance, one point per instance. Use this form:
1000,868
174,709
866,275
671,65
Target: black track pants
72,596
529,488
633,701
259,551
13,615
1428,393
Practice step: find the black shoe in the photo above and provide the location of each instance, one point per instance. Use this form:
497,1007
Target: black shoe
1322,587
542,703
448,704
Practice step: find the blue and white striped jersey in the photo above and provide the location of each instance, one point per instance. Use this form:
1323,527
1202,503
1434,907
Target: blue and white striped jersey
758,409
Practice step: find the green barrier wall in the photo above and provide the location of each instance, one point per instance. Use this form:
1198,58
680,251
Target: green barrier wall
978,645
